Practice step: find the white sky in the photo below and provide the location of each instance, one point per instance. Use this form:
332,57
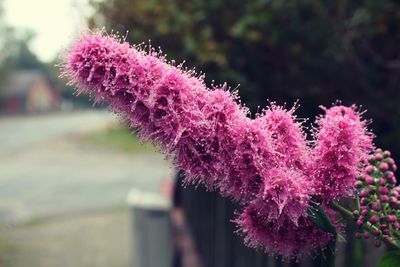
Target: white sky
54,22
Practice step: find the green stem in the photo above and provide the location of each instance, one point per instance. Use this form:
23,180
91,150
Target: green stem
366,226
345,212
358,203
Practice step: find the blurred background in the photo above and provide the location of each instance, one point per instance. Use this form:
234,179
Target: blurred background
66,168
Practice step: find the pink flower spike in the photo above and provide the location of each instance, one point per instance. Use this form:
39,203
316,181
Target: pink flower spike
288,135
205,132
266,164
343,143
281,236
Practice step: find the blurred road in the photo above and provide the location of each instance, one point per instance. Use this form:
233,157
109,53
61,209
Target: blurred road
18,133
45,171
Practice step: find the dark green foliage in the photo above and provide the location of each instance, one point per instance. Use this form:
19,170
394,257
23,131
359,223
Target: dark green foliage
318,216
390,260
24,58
15,51
312,50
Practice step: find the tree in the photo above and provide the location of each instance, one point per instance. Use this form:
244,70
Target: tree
14,44
6,39
24,58
315,51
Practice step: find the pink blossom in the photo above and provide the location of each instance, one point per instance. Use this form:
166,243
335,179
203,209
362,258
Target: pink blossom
205,131
342,143
266,164
281,236
289,136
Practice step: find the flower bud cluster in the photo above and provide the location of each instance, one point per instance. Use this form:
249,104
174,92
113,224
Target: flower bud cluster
379,199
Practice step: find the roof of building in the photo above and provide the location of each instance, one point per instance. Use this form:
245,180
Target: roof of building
18,83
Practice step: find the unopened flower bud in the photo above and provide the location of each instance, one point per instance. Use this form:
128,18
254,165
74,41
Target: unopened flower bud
358,235
387,240
386,231
393,201
364,212
394,167
369,180
376,232
356,213
363,201
366,235
378,156
384,166
369,169
384,190
392,218
364,193
371,159
375,207
386,153
359,223
377,243
384,198
358,184
382,182
374,219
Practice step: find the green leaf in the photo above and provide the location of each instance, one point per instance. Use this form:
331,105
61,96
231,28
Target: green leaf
318,216
390,260
341,238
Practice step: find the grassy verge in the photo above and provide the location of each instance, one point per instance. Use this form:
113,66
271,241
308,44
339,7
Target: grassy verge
7,249
117,137
98,238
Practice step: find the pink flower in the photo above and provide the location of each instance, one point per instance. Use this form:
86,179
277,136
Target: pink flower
289,136
205,131
277,220
266,164
282,237
342,143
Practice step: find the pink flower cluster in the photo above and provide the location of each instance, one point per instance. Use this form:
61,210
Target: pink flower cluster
341,142
266,163
277,219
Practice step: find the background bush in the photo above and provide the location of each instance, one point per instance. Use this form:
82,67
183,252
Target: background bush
283,50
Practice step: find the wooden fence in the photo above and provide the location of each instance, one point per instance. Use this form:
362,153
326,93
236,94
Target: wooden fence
209,217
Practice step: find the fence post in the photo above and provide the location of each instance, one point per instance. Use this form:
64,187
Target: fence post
151,229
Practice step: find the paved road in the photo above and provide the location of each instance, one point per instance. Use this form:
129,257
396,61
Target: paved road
18,133
45,171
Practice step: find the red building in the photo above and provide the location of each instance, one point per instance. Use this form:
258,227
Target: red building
28,92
